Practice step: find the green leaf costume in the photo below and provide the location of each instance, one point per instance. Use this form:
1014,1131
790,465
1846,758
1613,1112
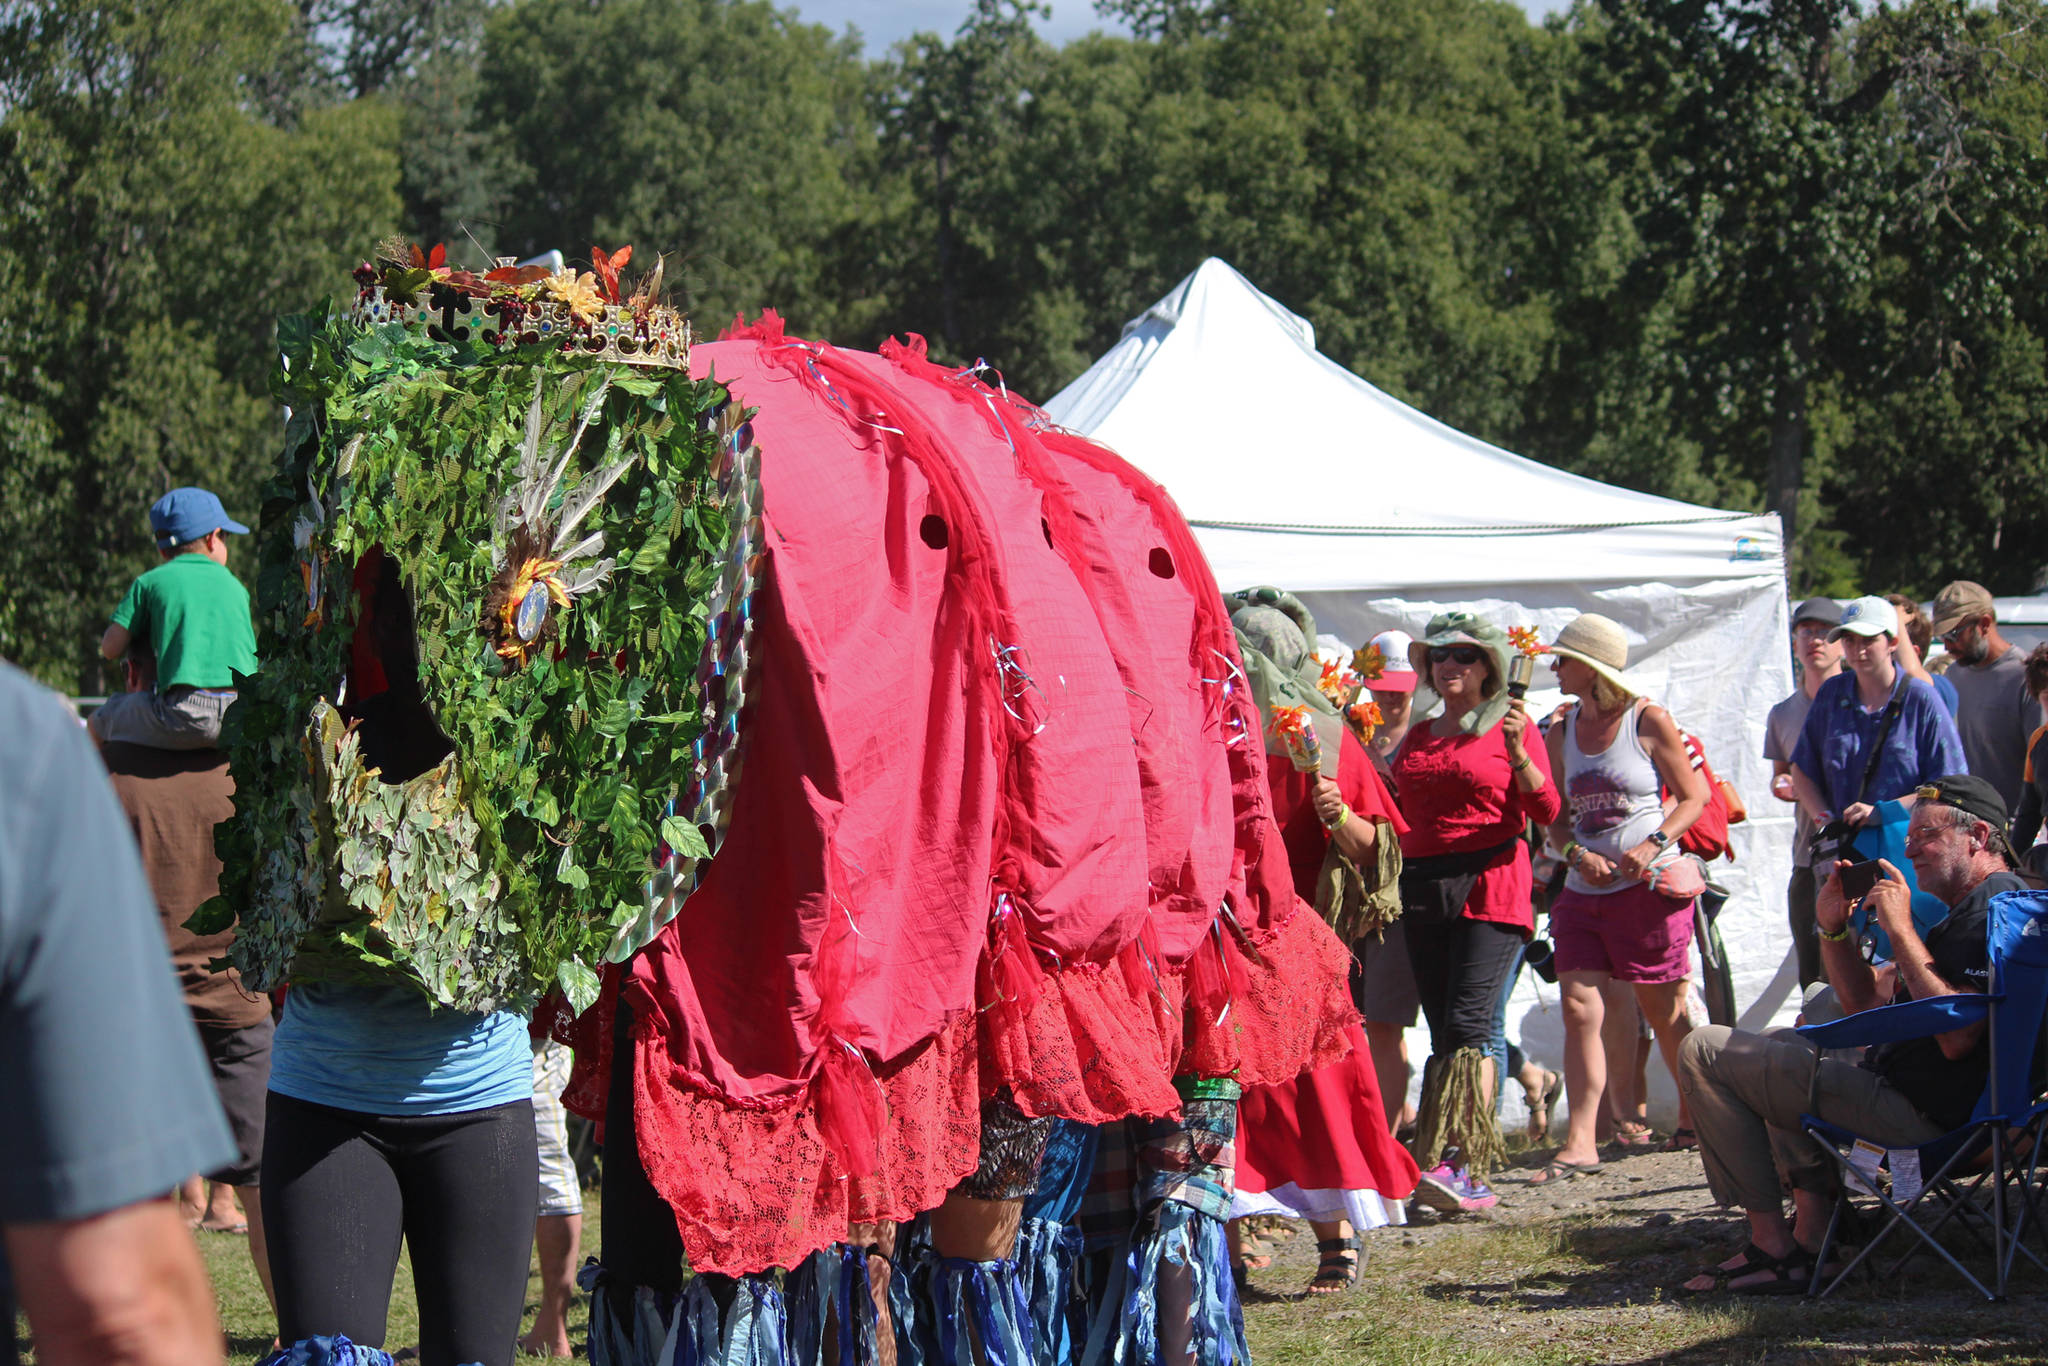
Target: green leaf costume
476,757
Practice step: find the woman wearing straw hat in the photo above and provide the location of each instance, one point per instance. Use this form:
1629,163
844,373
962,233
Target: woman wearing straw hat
1470,782
1626,912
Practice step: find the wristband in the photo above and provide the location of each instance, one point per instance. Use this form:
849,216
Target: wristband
1841,936
1571,853
1343,815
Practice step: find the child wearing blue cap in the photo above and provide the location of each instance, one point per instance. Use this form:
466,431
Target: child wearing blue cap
193,615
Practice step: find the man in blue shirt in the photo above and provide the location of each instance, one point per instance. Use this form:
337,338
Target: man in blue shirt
109,1101
1871,700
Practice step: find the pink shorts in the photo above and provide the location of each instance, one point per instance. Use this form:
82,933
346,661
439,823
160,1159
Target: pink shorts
1634,935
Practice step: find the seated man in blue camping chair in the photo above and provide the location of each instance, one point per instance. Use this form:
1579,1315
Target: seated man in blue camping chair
1748,1091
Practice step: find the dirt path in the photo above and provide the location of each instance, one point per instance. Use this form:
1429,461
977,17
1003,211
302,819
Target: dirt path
1581,1271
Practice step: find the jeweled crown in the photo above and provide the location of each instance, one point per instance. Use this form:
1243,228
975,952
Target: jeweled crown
515,305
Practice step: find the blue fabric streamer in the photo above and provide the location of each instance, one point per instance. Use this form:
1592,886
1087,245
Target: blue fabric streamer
1049,1242
334,1351
830,1287
1045,1257
1126,1327
753,1332
953,1293
628,1334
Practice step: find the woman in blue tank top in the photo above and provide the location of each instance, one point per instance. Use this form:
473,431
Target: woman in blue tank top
390,1120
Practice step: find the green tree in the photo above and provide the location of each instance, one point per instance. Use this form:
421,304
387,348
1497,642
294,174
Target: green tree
1773,152
154,218
723,134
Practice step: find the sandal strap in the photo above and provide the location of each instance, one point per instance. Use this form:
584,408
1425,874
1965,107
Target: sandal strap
1330,1246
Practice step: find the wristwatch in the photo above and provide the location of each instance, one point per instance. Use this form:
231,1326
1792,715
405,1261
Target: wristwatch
1658,838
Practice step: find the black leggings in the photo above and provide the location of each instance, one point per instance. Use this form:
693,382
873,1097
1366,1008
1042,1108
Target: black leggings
340,1188
1460,966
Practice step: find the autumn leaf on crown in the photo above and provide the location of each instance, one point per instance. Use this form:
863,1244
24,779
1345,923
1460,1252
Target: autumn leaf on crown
516,275
608,268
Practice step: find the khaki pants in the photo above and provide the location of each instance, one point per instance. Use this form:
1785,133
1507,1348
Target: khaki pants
1747,1092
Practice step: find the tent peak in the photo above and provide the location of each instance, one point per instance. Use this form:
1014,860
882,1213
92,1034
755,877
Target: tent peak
1212,279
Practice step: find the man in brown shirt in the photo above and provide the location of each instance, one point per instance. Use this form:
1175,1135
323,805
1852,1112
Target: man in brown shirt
173,799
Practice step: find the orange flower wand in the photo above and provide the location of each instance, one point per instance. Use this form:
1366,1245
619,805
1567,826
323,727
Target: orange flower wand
1292,728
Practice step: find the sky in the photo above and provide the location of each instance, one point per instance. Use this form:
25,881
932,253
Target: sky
882,22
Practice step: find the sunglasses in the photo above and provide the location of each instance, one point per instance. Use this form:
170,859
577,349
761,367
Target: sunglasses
1456,654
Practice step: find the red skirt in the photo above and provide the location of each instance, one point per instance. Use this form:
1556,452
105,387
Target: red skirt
1318,1147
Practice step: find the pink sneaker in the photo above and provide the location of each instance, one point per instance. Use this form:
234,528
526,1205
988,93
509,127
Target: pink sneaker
1438,1189
1453,1190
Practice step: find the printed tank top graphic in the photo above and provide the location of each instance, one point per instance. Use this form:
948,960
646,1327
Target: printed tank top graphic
1612,796
1599,803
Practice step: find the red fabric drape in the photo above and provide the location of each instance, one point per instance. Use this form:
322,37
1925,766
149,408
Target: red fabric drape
997,782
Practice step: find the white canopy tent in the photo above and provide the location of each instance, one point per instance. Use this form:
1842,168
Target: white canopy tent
1297,473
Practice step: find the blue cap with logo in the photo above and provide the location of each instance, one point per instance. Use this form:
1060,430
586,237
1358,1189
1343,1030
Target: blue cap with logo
185,515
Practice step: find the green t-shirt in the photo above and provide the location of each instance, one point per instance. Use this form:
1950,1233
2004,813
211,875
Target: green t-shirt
195,615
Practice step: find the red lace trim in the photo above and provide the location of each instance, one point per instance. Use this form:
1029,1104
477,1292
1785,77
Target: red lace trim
756,1187
759,1188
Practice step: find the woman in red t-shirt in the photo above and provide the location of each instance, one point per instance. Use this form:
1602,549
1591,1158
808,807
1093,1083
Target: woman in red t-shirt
1316,1147
1471,781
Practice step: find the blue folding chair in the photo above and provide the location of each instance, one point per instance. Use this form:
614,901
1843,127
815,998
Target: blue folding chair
1952,1177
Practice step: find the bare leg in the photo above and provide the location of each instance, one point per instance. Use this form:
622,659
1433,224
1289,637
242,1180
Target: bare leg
1585,1063
1535,1079
1618,1033
192,1200
1389,1046
259,1245
557,1239
222,1215
1663,1005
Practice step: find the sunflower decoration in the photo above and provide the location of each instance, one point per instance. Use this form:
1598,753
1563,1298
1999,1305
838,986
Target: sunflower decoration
579,292
524,616
539,573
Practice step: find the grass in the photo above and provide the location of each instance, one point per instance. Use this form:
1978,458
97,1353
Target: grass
1559,1288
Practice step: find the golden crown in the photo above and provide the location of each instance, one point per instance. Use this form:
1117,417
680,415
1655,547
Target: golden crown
514,305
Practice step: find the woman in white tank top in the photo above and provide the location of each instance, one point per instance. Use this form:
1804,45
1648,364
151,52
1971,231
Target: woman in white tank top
1615,754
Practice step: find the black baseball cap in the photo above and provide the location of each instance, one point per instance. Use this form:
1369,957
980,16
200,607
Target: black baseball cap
1824,610
1971,795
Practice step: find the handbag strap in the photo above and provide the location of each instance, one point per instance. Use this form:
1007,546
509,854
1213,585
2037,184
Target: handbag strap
1884,730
